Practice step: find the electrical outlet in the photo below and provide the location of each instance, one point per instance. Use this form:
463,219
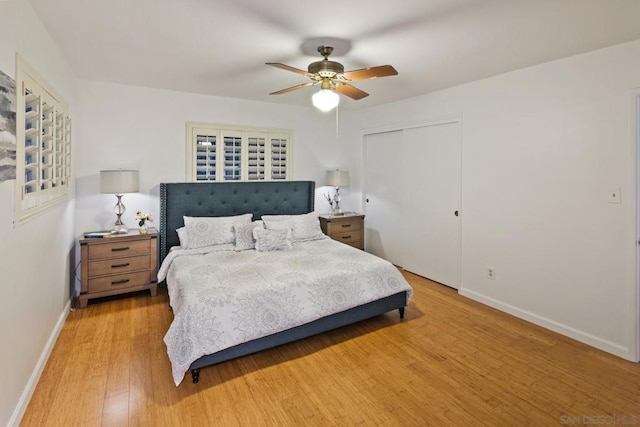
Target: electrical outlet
491,273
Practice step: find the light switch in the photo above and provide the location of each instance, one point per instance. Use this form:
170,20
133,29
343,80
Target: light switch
614,195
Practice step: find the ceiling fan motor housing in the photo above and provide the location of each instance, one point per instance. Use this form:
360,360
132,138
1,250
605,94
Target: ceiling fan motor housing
326,68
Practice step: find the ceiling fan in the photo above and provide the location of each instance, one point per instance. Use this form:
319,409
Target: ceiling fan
332,78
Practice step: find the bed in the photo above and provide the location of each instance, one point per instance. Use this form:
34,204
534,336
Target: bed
229,303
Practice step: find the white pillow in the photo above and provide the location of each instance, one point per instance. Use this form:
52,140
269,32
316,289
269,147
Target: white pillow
304,227
244,235
285,222
182,236
272,240
208,231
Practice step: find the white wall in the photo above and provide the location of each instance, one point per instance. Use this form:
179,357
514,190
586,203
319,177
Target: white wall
542,148
141,128
34,300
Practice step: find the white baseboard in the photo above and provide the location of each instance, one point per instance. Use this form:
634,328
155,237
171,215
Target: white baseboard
594,341
21,407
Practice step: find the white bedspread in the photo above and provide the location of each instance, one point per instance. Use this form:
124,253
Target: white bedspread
221,298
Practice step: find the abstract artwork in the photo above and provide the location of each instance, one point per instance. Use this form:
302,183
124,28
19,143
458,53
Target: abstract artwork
7,127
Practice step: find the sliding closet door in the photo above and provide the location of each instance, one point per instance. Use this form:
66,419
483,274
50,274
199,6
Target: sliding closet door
431,202
383,195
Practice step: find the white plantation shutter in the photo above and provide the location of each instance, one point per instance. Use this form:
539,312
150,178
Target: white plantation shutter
205,156
223,153
43,152
232,158
256,157
279,159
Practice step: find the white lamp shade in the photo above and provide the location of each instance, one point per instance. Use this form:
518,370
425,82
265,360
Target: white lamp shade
325,100
338,178
118,181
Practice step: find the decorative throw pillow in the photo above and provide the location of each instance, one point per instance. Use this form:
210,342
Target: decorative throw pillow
244,235
272,240
208,231
304,227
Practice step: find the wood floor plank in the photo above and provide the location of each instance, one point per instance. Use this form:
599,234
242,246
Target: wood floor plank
116,410
450,361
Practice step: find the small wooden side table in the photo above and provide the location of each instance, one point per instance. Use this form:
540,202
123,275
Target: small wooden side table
347,228
117,264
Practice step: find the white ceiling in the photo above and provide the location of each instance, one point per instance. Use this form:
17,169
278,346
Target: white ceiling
219,47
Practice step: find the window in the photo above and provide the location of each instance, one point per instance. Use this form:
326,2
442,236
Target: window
230,153
43,152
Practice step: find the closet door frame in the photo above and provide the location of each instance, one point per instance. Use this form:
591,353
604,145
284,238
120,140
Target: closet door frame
447,119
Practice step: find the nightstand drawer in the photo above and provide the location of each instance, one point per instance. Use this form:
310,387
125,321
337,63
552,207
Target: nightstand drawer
109,283
349,237
119,249
358,244
346,226
119,265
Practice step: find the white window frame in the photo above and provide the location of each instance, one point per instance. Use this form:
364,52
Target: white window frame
215,164
43,155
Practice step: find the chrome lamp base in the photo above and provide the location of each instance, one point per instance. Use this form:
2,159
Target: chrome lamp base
119,209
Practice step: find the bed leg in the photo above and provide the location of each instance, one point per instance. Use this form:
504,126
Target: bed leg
401,310
195,375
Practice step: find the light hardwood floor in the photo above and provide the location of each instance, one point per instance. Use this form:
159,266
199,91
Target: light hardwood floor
451,361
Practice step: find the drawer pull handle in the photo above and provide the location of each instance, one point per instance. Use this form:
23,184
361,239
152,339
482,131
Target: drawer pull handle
126,248
120,282
345,225
346,237
126,264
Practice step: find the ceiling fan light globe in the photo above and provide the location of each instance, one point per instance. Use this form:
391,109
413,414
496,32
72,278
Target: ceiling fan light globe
325,100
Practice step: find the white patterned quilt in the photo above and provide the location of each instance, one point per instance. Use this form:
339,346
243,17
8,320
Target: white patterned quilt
223,298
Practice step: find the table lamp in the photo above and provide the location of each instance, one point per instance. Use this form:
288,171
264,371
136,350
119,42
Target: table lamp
337,179
119,182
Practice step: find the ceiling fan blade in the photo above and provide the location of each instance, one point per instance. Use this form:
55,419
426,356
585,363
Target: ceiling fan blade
351,91
370,73
289,68
292,88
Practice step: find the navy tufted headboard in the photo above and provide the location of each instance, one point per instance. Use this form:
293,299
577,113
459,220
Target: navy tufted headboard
226,199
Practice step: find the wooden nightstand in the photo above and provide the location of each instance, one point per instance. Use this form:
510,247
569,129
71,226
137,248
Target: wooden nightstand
347,228
118,264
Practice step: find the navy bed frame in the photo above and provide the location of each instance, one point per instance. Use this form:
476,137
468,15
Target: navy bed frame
260,198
